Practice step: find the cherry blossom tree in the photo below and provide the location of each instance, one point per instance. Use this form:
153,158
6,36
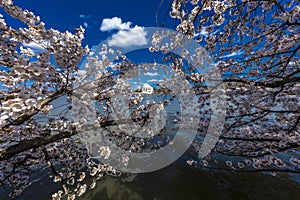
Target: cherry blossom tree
30,81
256,47
254,43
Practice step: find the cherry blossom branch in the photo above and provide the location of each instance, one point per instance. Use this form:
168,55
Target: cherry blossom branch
273,84
26,116
22,146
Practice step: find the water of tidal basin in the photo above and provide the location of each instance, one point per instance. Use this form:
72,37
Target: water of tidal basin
180,181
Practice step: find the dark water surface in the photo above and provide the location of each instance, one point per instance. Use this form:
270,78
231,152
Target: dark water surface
180,181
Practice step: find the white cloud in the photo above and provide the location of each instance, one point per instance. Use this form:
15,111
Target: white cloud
132,37
151,74
81,72
232,54
205,33
114,23
154,81
113,66
84,16
35,47
85,24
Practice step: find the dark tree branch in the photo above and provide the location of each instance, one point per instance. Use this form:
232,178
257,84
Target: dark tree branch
22,146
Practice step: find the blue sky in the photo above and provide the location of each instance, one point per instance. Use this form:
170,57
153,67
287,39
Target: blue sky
102,19
69,14
120,15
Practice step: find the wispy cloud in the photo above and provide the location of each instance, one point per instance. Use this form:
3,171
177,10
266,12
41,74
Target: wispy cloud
205,33
85,24
114,23
132,37
81,72
236,53
84,16
151,74
35,47
154,81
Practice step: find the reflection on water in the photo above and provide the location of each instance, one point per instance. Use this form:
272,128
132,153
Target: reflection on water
178,181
